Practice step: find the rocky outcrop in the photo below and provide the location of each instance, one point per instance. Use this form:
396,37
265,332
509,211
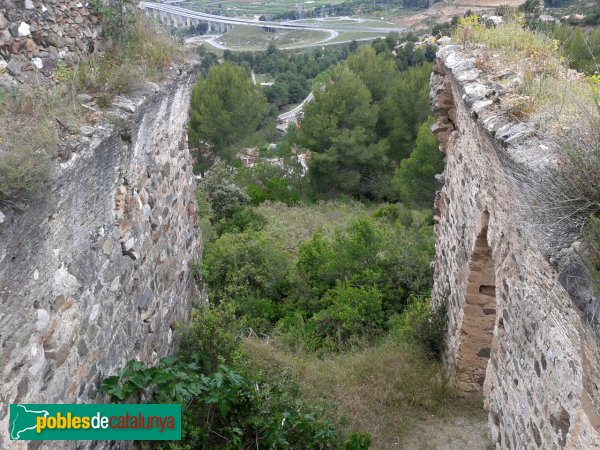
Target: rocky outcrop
515,335
36,36
97,273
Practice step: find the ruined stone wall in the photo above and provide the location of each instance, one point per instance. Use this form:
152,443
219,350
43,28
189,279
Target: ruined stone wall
36,36
515,337
97,273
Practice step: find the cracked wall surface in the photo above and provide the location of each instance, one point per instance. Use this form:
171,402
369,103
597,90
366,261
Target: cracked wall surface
508,311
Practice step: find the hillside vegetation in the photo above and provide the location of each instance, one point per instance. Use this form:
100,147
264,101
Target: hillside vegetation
319,331
316,269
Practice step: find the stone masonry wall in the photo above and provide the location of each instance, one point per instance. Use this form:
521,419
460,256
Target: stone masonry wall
37,35
515,337
97,273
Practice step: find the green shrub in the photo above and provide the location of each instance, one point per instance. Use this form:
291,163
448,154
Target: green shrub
212,334
350,315
358,441
227,408
172,381
423,326
242,219
393,213
246,265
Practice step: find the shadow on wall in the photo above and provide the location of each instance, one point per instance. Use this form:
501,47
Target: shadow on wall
477,328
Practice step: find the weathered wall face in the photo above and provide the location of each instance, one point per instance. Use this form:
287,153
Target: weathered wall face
98,274
37,35
515,337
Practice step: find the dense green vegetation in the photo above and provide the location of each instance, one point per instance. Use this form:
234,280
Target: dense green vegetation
357,142
292,73
580,45
226,108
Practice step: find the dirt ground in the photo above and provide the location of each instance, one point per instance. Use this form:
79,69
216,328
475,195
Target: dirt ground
444,11
465,430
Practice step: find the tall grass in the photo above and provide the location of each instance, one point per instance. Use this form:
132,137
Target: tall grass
547,93
143,54
383,389
30,131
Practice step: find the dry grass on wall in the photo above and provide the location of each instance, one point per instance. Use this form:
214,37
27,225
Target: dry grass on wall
37,121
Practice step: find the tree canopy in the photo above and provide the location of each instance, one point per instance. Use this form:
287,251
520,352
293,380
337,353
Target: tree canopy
226,108
363,121
414,179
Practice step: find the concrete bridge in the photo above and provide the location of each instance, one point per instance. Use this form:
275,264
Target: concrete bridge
182,17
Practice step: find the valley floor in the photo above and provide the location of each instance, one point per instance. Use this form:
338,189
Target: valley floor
387,391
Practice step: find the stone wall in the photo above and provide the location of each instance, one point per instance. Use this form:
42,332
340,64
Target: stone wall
36,36
97,273
515,337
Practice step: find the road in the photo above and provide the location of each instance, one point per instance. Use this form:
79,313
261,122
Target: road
319,25
213,40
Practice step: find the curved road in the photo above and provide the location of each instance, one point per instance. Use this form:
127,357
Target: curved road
317,26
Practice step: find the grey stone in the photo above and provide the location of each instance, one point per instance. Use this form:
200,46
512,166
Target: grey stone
480,105
3,22
82,348
29,4
2,217
5,36
24,30
43,319
107,247
469,75
87,131
474,92
128,245
124,104
84,98
145,299
14,67
14,30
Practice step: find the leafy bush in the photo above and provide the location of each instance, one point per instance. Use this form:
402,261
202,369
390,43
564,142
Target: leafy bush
172,381
227,409
349,316
212,334
423,326
250,272
393,213
242,219
347,285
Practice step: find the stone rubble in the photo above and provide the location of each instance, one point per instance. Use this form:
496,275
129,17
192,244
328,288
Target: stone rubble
36,36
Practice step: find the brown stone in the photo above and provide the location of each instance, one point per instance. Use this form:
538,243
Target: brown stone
14,47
